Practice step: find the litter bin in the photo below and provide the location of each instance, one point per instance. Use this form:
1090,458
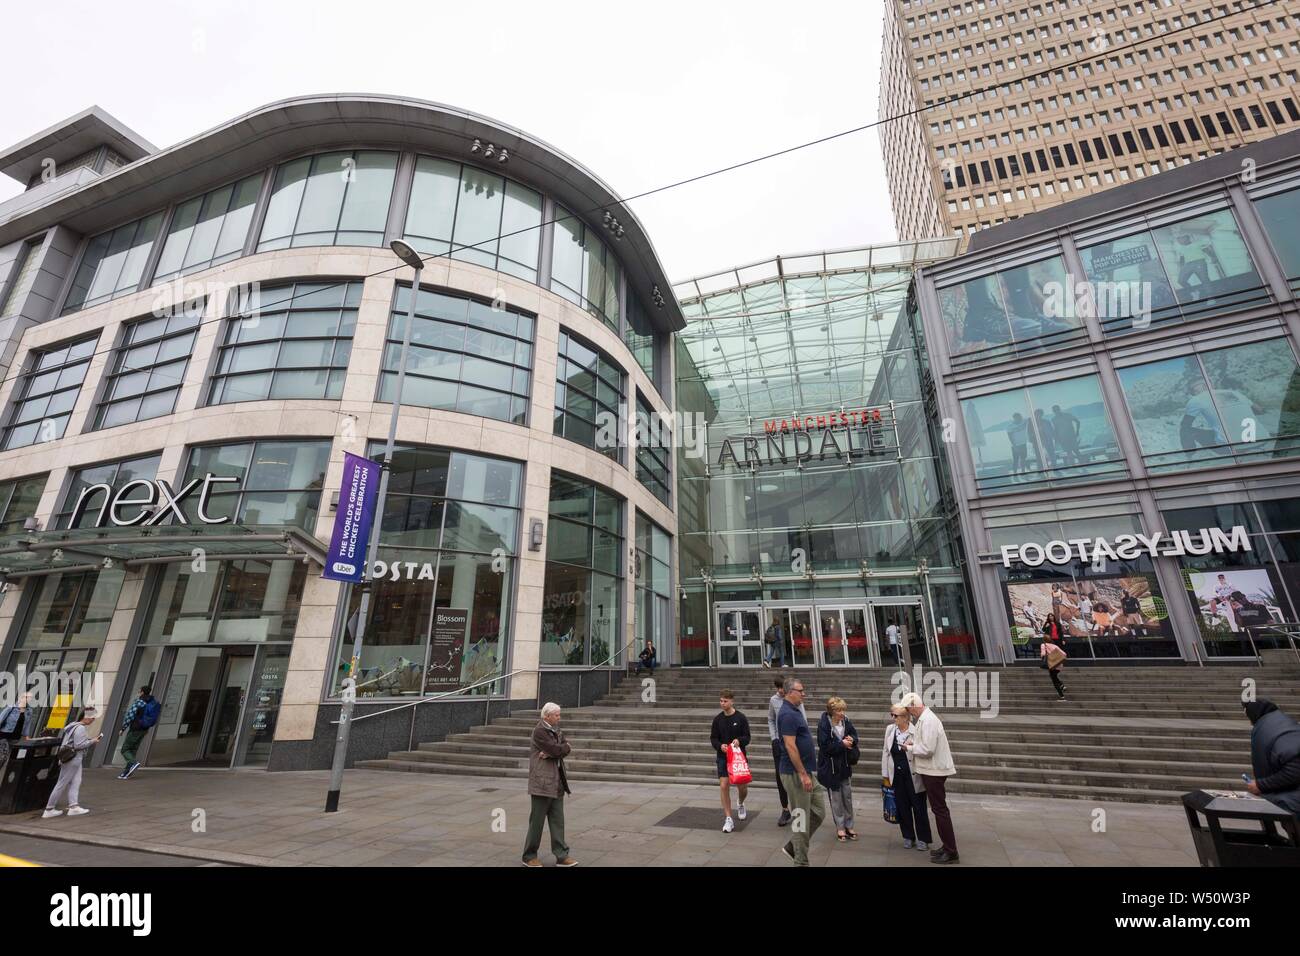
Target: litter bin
28,771
1220,846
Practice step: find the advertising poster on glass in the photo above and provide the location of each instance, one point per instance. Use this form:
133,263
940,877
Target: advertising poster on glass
1096,608
446,650
1233,599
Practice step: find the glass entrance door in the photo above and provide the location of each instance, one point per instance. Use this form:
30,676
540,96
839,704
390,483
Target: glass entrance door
740,637
834,653
857,646
803,651
900,638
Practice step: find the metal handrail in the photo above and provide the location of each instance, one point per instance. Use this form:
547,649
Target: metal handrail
488,680
1289,630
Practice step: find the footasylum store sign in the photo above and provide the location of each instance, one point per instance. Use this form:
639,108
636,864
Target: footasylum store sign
1128,547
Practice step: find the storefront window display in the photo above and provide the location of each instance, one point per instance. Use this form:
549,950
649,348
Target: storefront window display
1043,435
584,574
1235,404
1106,609
1175,270
1010,312
440,611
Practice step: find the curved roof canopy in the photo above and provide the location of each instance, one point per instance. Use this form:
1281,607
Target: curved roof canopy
307,124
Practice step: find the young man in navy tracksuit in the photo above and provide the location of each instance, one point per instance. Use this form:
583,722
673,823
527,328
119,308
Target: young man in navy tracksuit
140,716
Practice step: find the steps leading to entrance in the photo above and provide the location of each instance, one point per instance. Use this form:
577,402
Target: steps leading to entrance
1143,734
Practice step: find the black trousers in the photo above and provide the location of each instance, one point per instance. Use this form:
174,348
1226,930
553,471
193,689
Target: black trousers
912,818
1055,674
777,749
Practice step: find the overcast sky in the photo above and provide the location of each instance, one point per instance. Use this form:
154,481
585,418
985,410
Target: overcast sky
642,94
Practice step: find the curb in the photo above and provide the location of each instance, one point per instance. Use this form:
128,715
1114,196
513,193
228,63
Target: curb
209,856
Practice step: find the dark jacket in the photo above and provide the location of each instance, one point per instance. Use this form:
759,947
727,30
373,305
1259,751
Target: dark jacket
546,777
834,760
1049,636
19,725
1275,756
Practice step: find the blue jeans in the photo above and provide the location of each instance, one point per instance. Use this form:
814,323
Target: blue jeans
773,650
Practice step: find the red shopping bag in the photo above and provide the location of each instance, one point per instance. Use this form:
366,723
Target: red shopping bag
737,766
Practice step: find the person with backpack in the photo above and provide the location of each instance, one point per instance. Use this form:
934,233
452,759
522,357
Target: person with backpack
73,744
774,641
140,716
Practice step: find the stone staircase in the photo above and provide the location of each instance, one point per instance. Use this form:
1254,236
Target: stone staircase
1143,734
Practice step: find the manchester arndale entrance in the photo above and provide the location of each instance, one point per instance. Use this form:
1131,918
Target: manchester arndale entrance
888,632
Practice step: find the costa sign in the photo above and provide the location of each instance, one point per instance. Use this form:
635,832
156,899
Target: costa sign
1128,547
143,494
839,434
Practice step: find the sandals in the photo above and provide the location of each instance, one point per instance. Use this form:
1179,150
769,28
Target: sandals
852,835
841,837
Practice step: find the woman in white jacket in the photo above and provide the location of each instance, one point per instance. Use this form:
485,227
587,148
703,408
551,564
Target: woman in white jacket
896,770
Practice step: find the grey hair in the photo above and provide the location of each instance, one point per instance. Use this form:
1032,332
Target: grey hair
897,709
551,708
789,683
911,700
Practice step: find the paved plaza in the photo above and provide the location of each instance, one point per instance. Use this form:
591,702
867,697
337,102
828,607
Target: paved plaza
410,819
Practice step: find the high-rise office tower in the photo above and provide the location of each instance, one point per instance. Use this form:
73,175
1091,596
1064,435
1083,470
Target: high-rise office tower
1063,98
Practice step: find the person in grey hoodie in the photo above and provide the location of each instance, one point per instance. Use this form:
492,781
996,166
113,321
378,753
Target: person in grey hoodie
773,710
69,785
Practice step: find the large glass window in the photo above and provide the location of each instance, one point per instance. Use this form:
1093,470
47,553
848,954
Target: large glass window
209,229
235,601
1239,403
466,356
113,263
588,397
1045,434
149,367
291,341
280,482
115,475
18,502
584,574
1167,272
331,199
475,215
653,586
641,339
1010,312
451,527
1280,214
654,449
584,270
48,392
22,276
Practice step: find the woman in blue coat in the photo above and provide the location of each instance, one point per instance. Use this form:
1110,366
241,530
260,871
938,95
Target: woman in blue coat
837,752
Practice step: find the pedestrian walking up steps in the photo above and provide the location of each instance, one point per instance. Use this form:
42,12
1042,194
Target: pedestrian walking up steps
1141,734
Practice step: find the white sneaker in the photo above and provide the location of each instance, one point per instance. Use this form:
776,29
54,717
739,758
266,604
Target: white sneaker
728,826
741,812
51,813
77,811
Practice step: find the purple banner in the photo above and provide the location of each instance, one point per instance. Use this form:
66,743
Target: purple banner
347,555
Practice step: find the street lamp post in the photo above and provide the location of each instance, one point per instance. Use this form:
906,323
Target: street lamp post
349,689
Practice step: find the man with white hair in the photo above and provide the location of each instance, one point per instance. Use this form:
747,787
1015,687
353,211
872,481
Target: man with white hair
934,765
547,785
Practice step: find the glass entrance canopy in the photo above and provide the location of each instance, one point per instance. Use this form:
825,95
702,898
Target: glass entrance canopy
45,552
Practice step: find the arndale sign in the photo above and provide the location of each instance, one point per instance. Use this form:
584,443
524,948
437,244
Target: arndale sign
1128,547
838,434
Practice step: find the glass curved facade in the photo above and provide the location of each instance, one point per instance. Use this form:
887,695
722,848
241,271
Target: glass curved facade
821,491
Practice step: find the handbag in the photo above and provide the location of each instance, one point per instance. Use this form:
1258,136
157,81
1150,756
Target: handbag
738,772
66,752
890,804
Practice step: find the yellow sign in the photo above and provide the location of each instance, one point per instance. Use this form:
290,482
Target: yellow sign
59,712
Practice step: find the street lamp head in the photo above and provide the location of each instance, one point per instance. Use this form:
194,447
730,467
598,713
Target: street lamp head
406,254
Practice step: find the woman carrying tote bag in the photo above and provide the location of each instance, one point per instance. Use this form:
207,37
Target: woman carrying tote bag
909,791
1053,658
